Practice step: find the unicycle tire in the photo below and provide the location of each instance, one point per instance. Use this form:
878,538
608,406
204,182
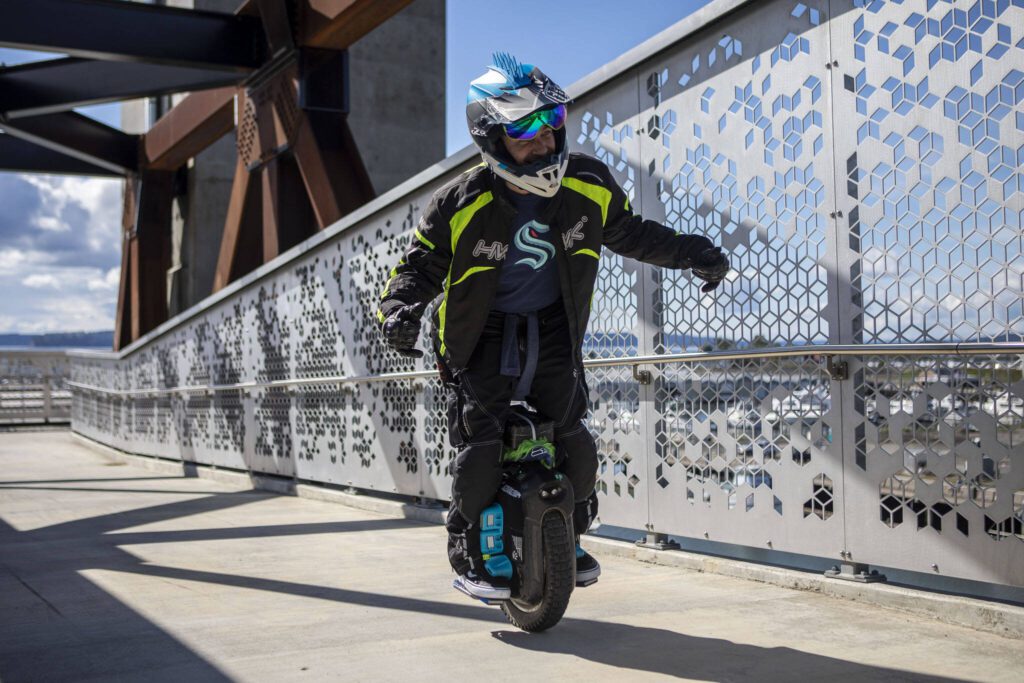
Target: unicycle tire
559,580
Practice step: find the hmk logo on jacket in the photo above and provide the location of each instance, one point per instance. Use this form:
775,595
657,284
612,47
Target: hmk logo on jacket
495,251
575,235
528,239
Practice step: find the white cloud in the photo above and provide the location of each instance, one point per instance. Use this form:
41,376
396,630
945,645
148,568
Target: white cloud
108,282
65,198
18,262
41,282
51,223
60,247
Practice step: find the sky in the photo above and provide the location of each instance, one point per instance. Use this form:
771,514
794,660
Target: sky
59,235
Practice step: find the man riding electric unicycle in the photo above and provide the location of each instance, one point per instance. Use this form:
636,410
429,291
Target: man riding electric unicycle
512,246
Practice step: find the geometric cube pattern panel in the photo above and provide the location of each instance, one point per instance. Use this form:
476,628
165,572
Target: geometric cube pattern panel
860,160
930,151
735,134
746,453
937,445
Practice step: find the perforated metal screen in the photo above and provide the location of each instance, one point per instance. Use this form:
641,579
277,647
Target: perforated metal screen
861,161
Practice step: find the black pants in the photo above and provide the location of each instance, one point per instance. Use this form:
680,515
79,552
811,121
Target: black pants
479,403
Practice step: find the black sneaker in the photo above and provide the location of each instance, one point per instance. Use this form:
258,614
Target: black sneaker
483,587
587,568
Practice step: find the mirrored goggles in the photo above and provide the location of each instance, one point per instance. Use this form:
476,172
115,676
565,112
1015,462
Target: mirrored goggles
528,127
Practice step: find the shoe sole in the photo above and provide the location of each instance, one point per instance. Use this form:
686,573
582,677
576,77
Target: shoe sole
589,579
495,596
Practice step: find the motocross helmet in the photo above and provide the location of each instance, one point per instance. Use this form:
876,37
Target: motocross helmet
511,92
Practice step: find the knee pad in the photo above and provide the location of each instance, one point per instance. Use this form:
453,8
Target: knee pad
476,476
584,514
580,461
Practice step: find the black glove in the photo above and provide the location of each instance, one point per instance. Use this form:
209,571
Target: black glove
711,265
401,329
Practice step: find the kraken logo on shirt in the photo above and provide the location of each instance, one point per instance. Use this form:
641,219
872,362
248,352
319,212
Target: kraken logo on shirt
528,239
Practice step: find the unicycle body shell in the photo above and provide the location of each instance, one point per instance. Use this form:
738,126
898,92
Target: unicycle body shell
538,501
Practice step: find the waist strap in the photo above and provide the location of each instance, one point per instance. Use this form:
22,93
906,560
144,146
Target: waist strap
510,366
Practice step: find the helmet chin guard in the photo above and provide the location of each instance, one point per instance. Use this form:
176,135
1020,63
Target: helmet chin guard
507,92
544,181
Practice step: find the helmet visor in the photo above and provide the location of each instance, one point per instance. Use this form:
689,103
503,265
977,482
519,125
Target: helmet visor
529,126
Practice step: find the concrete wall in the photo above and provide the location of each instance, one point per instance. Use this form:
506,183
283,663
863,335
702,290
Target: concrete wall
397,94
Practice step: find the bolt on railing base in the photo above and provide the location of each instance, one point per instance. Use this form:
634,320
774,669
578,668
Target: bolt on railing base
657,541
855,571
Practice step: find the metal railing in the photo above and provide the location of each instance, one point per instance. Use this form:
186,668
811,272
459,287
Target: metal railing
827,351
32,387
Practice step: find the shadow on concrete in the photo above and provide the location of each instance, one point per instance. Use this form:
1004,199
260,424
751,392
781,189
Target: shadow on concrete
362,598
86,481
670,653
102,490
56,625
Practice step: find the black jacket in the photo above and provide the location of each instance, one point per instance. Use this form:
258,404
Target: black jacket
463,237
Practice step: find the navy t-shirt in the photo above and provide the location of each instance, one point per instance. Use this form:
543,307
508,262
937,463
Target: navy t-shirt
529,274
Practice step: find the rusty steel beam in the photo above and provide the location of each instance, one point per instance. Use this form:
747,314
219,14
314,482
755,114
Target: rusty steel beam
194,124
111,30
233,226
337,24
270,193
315,176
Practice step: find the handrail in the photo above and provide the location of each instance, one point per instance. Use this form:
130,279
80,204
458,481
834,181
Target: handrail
825,350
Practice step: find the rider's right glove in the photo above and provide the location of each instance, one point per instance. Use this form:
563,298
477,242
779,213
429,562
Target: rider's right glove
401,329
711,265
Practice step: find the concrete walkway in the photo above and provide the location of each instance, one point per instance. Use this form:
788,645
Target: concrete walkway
110,571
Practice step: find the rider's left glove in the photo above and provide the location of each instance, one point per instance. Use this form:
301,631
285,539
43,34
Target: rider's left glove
401,329
711,265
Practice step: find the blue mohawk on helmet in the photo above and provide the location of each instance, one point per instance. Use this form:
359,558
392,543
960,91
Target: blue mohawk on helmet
518,74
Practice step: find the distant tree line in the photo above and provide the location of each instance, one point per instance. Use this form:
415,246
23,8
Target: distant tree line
60,339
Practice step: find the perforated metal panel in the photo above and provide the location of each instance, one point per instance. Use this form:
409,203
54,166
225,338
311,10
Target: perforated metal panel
607,127
736,147
929,148
32,386
860,161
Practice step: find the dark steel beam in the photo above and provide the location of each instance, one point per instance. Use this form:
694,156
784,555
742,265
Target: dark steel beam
191,126
277,23
150,247
123,316
21,156
128,31
80,137
63,84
